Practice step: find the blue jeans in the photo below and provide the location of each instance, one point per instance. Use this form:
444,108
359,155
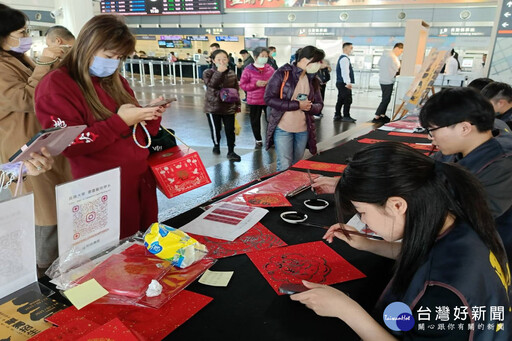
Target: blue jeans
290,147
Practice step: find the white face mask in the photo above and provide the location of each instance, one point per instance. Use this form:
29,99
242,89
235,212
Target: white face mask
261,60
313,68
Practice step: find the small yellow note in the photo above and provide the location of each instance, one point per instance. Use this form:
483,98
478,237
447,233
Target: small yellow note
85,293
216,278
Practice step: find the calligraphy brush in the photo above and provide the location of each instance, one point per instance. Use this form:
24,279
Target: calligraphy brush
311,184
345,232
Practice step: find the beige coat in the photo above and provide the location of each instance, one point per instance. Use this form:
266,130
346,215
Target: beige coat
18,124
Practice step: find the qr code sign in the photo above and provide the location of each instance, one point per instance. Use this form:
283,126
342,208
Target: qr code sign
90,217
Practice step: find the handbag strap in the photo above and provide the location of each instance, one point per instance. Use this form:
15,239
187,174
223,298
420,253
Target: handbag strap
285,78
173,135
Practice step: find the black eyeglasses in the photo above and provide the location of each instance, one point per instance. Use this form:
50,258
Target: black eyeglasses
430,130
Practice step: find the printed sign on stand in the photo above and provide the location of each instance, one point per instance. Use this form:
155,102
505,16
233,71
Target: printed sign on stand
17,244
88,212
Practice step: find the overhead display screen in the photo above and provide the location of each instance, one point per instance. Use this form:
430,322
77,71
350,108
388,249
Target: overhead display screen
161,7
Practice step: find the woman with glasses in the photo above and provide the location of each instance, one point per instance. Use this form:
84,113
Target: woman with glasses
18,122
449,255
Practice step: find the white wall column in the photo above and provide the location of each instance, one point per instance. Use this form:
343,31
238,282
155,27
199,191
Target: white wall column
74,14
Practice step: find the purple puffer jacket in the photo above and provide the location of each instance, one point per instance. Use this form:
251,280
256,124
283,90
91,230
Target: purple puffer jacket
280,106
250,76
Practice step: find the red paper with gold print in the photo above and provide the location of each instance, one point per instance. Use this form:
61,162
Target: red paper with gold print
126,274
145,323
320,166
256,239
67,331
113,330
413,145
314,262
178,170
266,200
284,183
177,280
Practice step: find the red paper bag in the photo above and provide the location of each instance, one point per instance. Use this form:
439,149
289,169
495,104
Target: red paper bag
178,170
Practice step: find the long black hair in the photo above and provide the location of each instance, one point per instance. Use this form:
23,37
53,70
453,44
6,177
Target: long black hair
10,20
431,189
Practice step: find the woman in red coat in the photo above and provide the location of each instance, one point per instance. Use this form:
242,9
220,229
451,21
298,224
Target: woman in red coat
88,89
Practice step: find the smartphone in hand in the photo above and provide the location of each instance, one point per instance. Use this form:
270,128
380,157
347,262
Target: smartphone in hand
161,103
302,97
291,288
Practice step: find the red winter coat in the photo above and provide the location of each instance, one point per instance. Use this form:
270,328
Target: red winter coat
103,145
250,76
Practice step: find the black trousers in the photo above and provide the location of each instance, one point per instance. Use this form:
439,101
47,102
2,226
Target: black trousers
215,121
387,89
344,99
255,114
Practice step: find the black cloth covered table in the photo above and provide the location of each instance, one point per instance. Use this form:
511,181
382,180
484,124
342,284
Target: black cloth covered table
249,309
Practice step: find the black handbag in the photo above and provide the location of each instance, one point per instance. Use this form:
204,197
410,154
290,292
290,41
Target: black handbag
164,139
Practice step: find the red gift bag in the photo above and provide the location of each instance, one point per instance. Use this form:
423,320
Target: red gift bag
178,170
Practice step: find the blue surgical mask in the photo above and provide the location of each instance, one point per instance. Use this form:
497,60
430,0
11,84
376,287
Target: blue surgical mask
25,43
103,67
274,54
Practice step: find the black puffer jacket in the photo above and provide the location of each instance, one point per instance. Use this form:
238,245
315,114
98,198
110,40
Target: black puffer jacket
214,81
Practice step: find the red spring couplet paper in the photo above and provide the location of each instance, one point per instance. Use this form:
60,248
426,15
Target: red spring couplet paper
314,262
113,330
145,323
67,331
175,280
126,274
413,145
320,166
284,183
397,133
266,200
256,239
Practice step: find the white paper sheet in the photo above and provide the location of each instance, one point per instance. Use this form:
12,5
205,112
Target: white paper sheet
17,244
225,221
88,212
356,223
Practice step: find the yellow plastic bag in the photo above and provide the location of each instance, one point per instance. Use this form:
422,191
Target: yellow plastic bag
173,245
238,128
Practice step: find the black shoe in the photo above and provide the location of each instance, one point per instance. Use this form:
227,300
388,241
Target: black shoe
377,120
258,145
232,156
216,149
348,119
385,119
336,118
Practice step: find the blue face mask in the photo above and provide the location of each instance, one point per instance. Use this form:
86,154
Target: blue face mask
103,67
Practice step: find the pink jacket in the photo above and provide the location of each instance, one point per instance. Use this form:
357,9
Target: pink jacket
250,76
